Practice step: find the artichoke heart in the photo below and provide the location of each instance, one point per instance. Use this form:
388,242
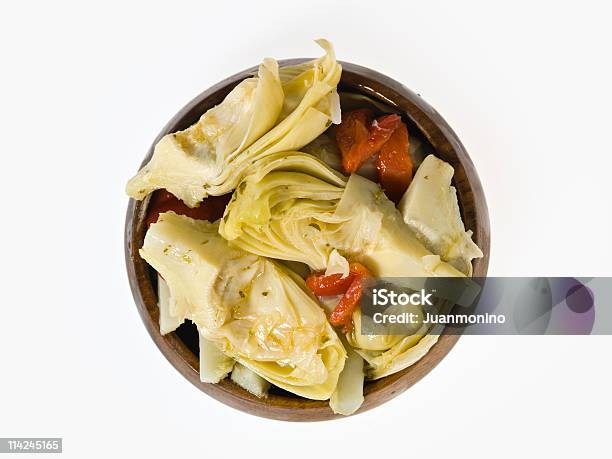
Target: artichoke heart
254,310
430,208
272,112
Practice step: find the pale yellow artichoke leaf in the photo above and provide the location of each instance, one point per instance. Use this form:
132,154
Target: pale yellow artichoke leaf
386,244
169,317
214,364
348,396
405,354
310,107
250,381
187,162
337,264
430,208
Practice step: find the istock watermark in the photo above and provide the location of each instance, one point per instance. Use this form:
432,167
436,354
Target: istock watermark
487,306
384,297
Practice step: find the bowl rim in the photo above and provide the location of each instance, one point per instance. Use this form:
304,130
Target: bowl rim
472,202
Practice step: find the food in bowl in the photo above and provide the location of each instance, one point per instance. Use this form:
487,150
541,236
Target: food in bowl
269,215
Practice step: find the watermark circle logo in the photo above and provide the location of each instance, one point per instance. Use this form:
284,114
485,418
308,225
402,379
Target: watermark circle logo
579,299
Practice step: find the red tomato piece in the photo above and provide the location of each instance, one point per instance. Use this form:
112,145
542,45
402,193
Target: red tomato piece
342,314
351,135
210,209
359,137
394,164
359,270
351,286
333,284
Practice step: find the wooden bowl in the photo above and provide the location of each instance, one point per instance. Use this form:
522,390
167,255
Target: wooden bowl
181,347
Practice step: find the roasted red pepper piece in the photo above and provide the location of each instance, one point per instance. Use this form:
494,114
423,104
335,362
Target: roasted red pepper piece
322,285
342,314
334,284
210,209
359,270
359,137
351,135
394,164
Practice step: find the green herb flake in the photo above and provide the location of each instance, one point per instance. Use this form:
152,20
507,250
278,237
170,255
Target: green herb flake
265,293
241,293
315,226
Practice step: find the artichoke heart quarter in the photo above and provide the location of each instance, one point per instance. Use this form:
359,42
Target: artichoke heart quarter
430,208
275,111
254,310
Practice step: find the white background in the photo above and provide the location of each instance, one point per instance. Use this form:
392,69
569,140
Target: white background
85,89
